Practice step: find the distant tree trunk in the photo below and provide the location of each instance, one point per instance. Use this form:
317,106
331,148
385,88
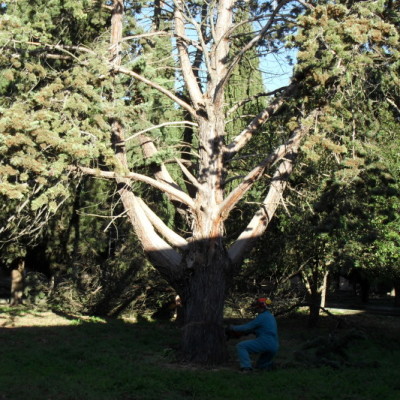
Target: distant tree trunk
364,290
314,302
324,289
361,284
17,283
397,294
316,292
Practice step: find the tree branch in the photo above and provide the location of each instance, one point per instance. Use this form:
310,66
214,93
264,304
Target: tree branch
390,101
256,96
243,138
187,173
164,257
61,47
164,187
172,123
149,150
164,230
146,35
234,197
306,4
187,71
202,48
252,42
156,86
263,216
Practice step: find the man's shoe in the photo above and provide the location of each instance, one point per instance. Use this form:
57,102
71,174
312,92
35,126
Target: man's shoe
246,370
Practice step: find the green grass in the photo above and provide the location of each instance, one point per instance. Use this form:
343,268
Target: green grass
117,360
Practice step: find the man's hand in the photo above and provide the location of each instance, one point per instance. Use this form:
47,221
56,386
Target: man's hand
231,334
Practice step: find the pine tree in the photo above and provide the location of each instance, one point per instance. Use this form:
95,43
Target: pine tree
349,183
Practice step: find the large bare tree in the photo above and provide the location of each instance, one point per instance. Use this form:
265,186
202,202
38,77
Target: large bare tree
200,266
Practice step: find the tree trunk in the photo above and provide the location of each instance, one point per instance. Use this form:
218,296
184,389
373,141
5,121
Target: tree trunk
203,294
397,294
17,283
314,301
316,292
324,289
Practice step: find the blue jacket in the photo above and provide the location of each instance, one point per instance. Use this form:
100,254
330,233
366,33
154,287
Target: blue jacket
264,326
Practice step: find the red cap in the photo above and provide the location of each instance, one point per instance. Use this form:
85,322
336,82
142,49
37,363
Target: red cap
264,300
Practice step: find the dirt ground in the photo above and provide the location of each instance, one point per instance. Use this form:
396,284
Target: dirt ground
25,317
337,318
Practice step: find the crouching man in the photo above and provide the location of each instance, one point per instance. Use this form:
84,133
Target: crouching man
266,342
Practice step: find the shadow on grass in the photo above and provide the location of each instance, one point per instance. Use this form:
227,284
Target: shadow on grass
82,360
117,360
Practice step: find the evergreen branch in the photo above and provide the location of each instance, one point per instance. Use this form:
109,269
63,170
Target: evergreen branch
66,49
390,101
61,47
57,57
254,97
243,138
164,187
146,35
33,223
50,56
172,123
156,86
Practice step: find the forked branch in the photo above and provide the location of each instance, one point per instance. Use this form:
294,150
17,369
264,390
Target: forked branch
245,136
164,230
263,216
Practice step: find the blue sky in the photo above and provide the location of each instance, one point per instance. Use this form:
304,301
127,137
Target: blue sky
277,70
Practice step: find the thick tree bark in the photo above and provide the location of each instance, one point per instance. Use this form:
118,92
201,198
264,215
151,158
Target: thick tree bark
203,294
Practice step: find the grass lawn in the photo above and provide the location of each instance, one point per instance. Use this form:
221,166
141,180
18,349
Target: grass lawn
45,356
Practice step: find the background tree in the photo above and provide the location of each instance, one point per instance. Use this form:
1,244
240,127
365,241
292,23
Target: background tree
348,180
